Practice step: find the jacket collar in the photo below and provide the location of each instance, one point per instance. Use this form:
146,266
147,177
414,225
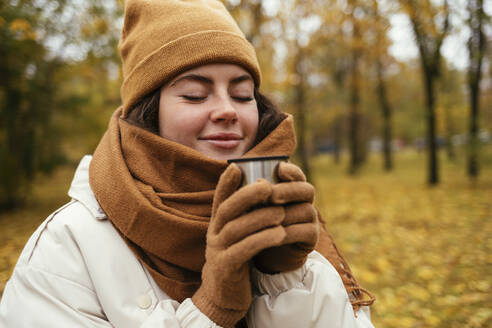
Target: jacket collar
81,191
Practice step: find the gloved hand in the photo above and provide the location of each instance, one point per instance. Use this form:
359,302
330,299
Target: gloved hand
238,230
301,222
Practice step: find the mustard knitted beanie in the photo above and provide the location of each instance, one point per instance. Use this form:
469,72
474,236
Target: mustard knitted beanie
163,38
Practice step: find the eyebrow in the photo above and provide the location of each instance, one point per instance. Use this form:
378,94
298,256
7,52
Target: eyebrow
241,78
206,80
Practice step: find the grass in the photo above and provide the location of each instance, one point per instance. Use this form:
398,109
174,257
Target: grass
425,252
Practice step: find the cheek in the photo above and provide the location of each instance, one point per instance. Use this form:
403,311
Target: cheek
250,120
179,123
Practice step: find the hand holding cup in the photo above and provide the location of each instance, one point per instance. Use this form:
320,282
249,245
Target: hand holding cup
240,227
301,224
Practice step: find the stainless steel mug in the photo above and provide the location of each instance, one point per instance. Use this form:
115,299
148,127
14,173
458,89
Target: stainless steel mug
255,168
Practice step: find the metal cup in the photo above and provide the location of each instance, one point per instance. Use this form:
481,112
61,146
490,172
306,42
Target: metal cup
255,168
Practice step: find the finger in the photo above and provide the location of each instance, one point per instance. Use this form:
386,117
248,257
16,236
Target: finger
304,235
248,224
289,172
290,192
299,213
229,181
239,202
243,251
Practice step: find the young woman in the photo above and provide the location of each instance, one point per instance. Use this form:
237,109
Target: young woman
159,232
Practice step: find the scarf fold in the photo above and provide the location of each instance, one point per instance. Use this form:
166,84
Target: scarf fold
158,194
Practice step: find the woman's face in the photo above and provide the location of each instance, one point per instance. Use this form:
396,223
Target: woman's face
211,109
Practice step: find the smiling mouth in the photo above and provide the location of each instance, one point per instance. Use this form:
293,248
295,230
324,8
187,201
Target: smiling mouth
223,140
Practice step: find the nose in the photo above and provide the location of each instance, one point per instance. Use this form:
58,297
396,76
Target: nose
223,110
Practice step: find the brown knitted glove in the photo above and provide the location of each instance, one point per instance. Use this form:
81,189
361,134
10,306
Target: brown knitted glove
301,222
238,230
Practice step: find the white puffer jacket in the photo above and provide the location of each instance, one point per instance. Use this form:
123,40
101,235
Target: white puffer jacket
76,271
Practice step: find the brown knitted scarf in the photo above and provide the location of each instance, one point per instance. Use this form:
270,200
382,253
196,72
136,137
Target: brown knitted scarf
158,194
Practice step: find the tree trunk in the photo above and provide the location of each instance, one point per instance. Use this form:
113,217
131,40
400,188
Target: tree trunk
354,106
337,139
433,172
353,129
386,111
473,167
476,48
302,149
338,125
449,134
430,58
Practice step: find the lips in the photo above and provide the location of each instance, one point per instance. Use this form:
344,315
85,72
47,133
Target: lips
223,140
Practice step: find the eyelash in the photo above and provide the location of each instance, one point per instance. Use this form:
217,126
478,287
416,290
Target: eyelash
243,99
194,99
198,99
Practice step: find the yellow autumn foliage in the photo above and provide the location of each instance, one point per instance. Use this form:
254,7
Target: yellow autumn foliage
22,28
19,24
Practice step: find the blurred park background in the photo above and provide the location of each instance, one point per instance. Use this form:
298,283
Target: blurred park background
393,106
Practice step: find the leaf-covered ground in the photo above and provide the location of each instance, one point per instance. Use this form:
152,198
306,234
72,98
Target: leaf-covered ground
425,253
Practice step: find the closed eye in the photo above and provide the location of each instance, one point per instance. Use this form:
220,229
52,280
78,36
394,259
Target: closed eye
243,99
193,98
